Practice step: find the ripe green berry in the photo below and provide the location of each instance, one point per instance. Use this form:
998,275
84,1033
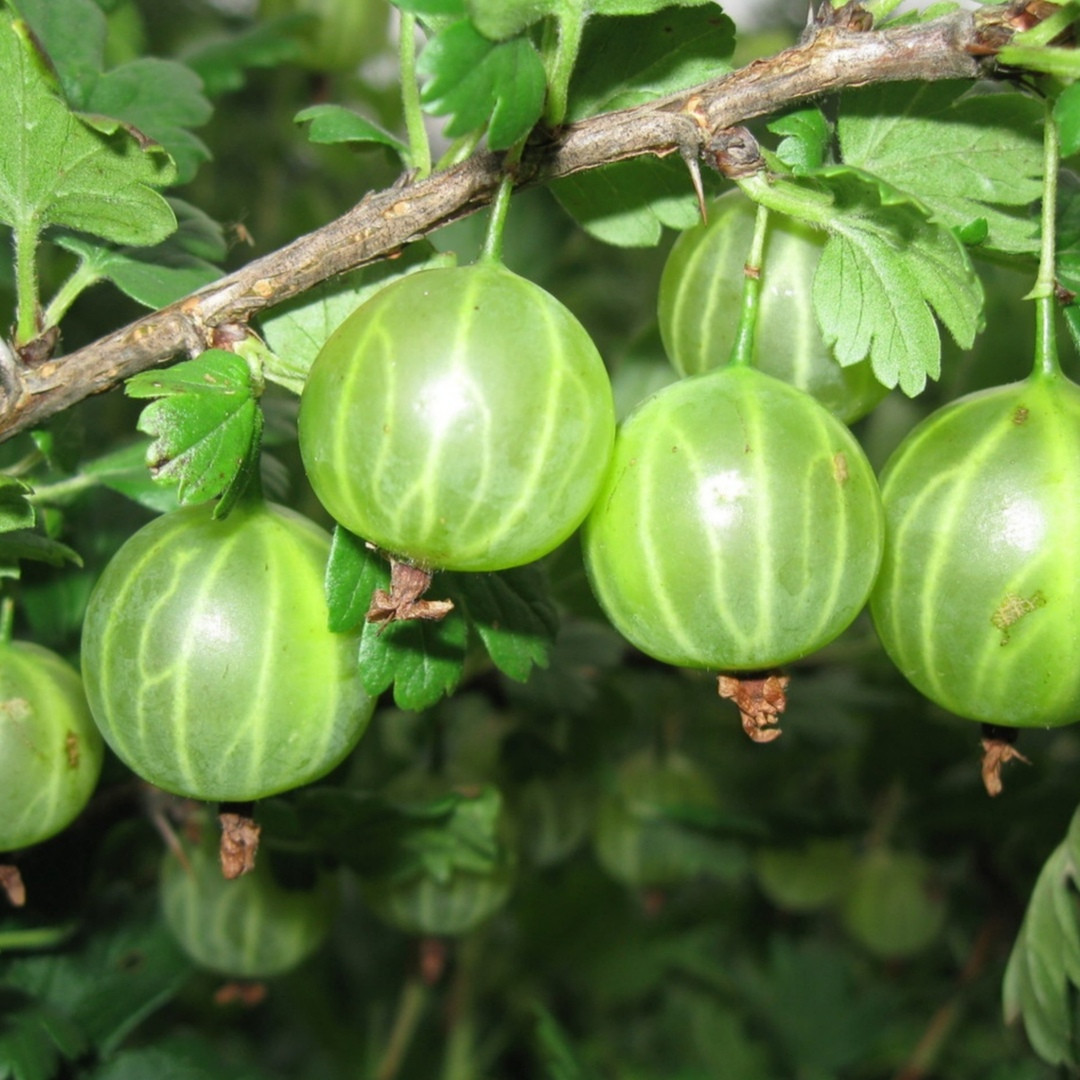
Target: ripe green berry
979,593
701,301
740,526
460,419
50,750
207,659
250,927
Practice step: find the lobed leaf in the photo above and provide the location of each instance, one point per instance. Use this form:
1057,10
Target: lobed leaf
513,615
206,425
477,82
160,275
885,272
963,155
804,147
222,63
55,169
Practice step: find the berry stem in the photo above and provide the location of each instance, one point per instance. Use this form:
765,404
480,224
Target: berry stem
1046,354
419,146
492,251
742,351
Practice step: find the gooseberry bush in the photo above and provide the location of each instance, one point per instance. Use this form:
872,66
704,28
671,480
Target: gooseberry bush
434,435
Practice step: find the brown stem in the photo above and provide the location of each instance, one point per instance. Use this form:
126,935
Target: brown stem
836,54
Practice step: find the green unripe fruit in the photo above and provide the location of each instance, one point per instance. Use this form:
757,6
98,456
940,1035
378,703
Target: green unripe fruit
805,879
50,750
450,872
740,526
979,594
342,33
638,836
891,909
250,927
460,419
701,302
207,660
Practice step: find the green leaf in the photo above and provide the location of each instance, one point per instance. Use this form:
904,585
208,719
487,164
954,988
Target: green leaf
502,19
222,63
964,156
512,614
124,470
73,34
336,124
206,425
477,82
455,832
884,273
34,1039
353,573
110,982
806,140
16,511
1043,973
162,98
160,275
57,170
628,204
625,62
298,329
22,544
1067,118
423,661
639,7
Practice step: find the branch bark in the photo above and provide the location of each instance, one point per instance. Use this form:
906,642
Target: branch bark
834,54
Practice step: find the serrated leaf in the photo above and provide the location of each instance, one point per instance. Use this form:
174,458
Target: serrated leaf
884,273
806,140
353,573
477,82
1043,972
964,156
206,424
628,204
16,511
162,98
34,1039
55,169
73,34
336,124
423,661
160,275
513,615
298,329
625,62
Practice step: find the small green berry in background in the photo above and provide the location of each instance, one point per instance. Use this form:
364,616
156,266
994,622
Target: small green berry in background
539,540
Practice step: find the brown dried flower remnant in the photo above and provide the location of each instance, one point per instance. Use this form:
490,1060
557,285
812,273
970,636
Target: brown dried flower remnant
998,750
404,600
11,885
760,699
239,840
